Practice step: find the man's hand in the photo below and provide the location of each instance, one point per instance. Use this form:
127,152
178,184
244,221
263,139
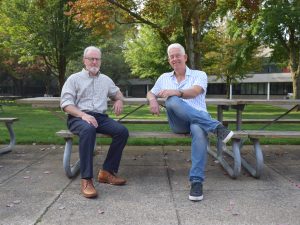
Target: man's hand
167,93
118,107
154,106
90,119
74,111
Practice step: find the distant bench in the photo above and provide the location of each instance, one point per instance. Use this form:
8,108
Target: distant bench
9,122
237,144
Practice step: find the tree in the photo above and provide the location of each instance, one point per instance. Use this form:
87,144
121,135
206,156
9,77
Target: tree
16,66
229,58
113,61
166,17
277,25
50,33
146,53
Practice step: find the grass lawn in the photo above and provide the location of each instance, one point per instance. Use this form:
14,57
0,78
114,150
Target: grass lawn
38,125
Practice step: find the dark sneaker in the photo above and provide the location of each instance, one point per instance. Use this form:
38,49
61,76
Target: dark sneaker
196,191
224,134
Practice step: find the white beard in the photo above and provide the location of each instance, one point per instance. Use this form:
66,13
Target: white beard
93,70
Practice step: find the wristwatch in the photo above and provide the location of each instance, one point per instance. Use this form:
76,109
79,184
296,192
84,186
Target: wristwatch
181,93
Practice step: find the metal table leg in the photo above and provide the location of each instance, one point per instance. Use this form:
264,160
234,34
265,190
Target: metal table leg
255,170
71,170
234,170
12,138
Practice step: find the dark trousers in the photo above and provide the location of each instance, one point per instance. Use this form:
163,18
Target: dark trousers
87,138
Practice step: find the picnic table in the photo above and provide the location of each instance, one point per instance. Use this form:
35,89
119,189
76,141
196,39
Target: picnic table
222,105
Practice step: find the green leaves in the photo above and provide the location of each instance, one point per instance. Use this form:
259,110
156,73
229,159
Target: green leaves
41,29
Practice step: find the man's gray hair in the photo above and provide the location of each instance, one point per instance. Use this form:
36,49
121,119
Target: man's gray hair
91,48
176,45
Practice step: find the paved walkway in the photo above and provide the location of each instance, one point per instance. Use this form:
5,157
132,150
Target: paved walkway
35,190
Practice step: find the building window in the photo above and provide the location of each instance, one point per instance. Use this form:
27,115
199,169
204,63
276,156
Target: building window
251,89
254,89
216,89
236,89
262,89
280,88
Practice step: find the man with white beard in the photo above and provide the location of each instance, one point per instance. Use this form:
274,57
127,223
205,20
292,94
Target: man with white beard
84,98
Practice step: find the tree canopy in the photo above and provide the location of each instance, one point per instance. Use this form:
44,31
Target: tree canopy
220,37
42,29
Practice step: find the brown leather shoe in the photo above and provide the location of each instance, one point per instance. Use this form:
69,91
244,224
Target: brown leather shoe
107,177
87,188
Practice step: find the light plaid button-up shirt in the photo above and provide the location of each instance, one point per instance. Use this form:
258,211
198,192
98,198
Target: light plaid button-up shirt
192,77
88,93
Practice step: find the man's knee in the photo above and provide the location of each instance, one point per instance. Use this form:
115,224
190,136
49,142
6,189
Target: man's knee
196,130
121,131
173,102
88,130
125,132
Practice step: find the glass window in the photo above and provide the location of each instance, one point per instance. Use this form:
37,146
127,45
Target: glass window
262,90
254,89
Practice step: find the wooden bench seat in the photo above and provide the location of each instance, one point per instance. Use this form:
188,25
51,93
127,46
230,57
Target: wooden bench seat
245,121
8,123
233,170
71,170
253,121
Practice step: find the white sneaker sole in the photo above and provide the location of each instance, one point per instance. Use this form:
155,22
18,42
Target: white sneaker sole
195,198
228,137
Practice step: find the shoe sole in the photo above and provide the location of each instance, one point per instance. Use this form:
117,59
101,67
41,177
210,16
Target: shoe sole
89,195
105,182
195,198
228,137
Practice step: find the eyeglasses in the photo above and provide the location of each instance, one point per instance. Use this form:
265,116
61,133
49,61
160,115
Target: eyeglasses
93,59
177,56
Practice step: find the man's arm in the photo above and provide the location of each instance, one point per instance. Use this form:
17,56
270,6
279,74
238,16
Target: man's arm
186,93
192,92
118,105
154,106
118,96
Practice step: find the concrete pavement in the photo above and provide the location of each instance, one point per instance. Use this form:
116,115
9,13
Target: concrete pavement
35,190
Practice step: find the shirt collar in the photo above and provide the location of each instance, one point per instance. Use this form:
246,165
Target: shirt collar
187,72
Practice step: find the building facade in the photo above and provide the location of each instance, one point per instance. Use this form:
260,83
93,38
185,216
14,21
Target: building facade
262,85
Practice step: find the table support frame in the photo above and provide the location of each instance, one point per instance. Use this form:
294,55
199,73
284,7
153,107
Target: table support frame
12,139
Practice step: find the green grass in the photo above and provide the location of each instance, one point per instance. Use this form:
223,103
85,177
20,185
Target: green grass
39,125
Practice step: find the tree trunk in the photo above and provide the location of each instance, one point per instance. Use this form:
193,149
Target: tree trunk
189,43
62,71
296,84
295,67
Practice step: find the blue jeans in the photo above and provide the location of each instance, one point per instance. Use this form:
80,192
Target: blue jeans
186,119
87,138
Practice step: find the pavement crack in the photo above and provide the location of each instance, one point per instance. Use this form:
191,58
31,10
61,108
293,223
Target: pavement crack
51,204
170,186
21,170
